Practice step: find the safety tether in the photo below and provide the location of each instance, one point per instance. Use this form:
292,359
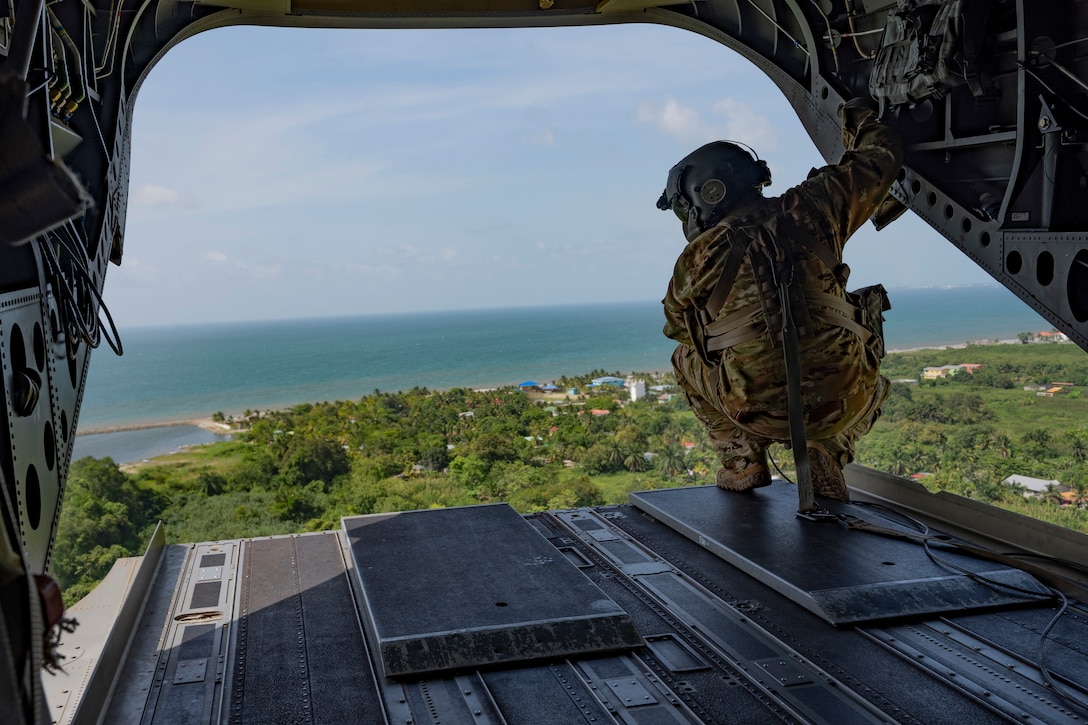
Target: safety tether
783,278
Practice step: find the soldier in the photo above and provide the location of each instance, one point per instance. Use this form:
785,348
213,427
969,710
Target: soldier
724,302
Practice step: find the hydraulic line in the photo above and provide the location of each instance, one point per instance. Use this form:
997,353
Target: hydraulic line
830,35
874,31
60,86
77,64
110,48
854,32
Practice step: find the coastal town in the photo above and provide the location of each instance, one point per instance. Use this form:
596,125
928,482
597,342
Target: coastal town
959,418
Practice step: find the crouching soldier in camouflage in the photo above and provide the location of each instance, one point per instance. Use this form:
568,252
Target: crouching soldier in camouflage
724,302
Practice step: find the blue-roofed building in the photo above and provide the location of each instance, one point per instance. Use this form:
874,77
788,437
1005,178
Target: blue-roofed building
529,385
606,380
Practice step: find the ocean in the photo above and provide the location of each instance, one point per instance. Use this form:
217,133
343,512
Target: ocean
187,372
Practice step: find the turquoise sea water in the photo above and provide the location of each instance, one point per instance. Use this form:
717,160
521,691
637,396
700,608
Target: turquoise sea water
188,372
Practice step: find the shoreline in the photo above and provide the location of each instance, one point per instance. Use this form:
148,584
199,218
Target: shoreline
211,426
204,423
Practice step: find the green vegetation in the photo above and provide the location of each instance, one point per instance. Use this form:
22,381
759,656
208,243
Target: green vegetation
302,469
972,431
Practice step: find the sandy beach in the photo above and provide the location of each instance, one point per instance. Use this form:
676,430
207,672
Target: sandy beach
212,426
205,423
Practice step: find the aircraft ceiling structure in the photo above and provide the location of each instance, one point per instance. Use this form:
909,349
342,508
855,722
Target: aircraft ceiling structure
988,94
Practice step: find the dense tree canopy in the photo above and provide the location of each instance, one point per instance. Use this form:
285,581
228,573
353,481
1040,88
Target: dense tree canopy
303,468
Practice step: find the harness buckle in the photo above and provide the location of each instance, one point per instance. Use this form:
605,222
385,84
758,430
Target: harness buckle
820,514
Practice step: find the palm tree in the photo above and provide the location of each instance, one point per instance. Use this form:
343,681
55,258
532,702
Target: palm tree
210,484
1080,487
900,462
1080,449
614,453
671,460
1038,440
636,463
1004,445
1052,495
701,463
927,461
673,432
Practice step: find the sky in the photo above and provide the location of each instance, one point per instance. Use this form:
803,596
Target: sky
291,173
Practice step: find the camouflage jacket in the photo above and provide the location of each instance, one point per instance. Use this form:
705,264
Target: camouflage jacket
815,218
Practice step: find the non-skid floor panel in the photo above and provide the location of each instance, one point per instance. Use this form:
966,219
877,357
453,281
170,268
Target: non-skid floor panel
477,585
844,575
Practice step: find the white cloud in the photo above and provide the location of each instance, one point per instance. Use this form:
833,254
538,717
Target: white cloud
679,121
138,269
253,270
738,123
409,253
383,271
745,125
262,271
151,194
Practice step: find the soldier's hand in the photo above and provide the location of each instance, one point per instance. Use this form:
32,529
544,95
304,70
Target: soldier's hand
852,113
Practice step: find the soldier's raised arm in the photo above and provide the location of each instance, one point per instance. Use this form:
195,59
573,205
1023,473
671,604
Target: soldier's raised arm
852,190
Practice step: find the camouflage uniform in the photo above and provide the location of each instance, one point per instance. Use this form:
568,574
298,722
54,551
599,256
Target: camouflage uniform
731,367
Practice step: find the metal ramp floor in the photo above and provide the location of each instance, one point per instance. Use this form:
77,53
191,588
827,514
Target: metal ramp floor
277,630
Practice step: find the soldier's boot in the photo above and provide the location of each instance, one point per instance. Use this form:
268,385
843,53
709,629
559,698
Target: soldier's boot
740,474
827,478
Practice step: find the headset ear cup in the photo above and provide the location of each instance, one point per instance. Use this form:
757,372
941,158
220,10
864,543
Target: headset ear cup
713,191
765,173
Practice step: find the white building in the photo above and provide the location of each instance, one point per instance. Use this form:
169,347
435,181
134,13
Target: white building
1032,486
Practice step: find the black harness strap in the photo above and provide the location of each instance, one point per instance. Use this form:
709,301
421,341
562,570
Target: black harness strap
735,258
750,322
791,354
789,295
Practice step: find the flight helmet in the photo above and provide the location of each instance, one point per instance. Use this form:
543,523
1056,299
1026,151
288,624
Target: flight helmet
709,181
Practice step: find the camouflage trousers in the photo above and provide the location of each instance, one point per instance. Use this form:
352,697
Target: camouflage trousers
837,426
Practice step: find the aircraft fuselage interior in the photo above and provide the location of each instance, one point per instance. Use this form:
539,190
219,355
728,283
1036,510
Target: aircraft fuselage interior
991,98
